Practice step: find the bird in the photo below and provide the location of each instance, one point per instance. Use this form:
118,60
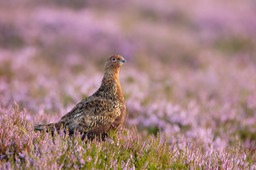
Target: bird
99,113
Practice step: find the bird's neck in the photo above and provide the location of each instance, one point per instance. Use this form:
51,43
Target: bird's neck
111,75
110,85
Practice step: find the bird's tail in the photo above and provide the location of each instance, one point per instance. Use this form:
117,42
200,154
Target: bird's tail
51,127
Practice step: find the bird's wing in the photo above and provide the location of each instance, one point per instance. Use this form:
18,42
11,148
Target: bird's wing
91,113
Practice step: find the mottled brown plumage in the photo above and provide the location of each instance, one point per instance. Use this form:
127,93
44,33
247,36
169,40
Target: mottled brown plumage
99,113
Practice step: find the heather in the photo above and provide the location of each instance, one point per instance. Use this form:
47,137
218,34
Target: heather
189,82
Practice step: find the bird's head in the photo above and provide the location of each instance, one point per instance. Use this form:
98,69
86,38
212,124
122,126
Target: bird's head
114,62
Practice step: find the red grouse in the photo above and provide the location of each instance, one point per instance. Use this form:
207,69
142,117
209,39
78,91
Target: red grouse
96,115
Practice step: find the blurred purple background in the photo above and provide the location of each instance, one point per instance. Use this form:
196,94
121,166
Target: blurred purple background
169,31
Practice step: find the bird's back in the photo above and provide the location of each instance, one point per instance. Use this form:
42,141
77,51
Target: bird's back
94,114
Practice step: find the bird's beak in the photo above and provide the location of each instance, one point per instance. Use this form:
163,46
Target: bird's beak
122,61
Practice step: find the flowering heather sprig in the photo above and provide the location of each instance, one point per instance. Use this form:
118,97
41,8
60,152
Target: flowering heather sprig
15,133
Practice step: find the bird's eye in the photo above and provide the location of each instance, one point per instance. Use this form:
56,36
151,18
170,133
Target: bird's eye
113,59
